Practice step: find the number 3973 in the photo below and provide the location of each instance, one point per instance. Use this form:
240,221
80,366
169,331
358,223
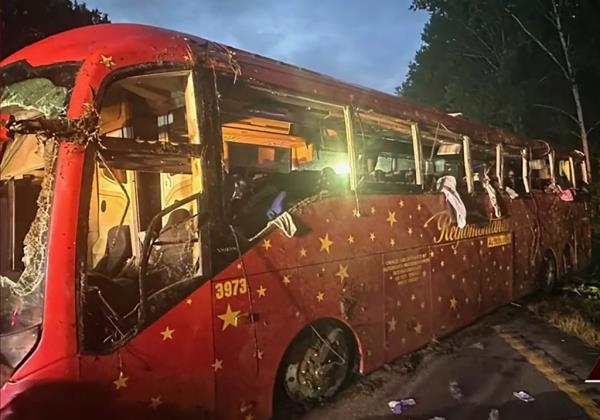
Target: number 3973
229,288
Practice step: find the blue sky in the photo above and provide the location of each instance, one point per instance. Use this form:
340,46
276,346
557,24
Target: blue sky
365,42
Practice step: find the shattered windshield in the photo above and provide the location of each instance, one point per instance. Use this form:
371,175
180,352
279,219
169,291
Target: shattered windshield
26,183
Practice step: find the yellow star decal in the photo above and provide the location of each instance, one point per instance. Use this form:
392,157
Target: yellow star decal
418,207
303,252
167,333
372,236
391,219
342,272
229,318
413,297
266,244
401,203
107,61
392,325
392,242
320,296
373,210
218,364
286,279
350,239
262,291
355,213
325,243
188,301
442,263
418,328
410,231
155,402
121,381
259,354
453,303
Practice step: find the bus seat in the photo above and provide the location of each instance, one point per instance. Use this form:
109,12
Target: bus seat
117,251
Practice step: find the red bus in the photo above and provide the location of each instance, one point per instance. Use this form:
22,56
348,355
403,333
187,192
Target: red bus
190,230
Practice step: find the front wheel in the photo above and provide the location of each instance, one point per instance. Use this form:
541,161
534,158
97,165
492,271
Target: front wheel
318,363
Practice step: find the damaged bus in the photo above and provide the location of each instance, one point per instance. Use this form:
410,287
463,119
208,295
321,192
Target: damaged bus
193,231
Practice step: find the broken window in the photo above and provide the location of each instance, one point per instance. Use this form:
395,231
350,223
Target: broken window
278,149
26,184
144,229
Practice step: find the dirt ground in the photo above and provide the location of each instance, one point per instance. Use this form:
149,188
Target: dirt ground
508,351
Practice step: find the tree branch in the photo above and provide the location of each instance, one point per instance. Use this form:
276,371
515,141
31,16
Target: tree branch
561,111
540,44
596,124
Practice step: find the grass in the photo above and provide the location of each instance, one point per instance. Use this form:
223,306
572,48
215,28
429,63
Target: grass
574,310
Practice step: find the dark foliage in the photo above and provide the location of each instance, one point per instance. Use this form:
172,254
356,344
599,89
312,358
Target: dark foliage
477,60
26,21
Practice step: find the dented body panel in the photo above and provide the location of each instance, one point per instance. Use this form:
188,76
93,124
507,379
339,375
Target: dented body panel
394,269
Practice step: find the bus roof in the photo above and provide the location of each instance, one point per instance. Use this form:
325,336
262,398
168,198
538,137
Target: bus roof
120,39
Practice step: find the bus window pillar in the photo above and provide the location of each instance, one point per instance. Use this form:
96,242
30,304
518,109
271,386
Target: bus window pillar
418,152
551,162
572,170
350,143
525,169
500,164
468,164
584,173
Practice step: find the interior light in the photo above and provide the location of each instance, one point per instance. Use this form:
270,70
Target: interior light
342,168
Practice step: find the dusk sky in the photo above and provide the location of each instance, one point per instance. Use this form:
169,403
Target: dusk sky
365,42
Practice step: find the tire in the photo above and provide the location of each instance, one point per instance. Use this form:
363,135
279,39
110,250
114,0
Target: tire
548,274
318,363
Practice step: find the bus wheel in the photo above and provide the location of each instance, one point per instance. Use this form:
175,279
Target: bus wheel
548,273
567,264
318,363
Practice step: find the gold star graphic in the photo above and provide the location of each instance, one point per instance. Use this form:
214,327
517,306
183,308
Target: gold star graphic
188,301
372,236
467,299
239,266
392,324
303,252
266,244
350,239
442,263
453,303
403,340
401,203
259,354
229,318
418,328
413,297
320,296
249,416
342,272
463,280
418,207
121,381
325,243
431,254
453,276
392,242
262,291
355,213
167,333
155,402
286,279
218,364
391,219
410,231
423,305
107,61
372,210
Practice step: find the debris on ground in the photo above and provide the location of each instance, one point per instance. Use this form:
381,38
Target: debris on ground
523,396
494,414
401,406
455,390
477,346
437,418
516,304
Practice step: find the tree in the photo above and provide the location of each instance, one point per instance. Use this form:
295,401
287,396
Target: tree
25,21
477,59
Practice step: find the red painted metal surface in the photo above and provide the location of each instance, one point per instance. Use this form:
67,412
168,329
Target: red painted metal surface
390,275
